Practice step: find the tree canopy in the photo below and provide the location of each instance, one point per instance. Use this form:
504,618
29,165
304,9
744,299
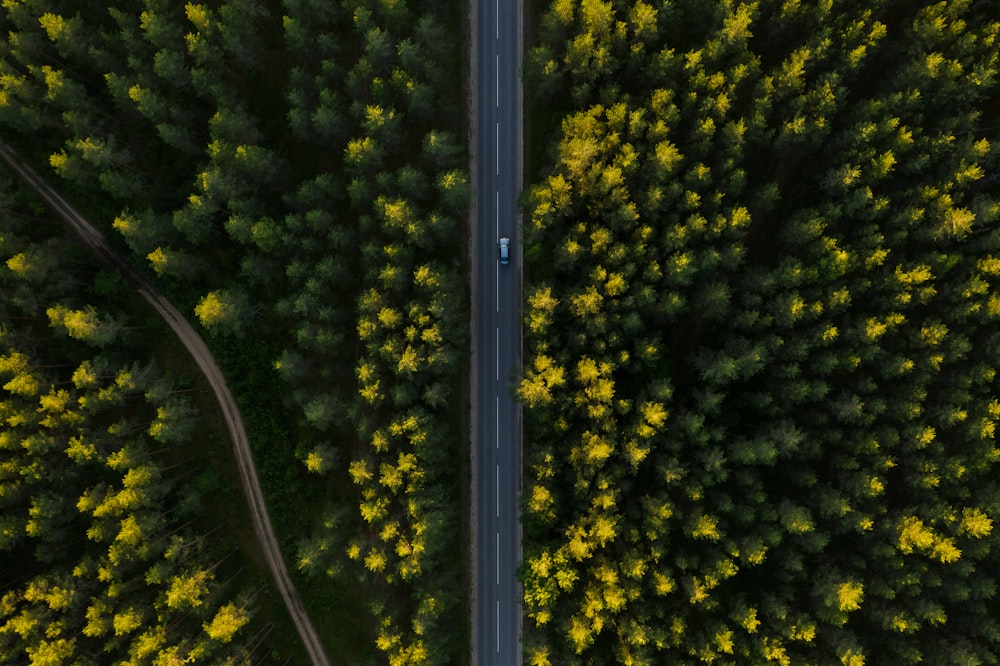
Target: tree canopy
287,174
761,349
103,534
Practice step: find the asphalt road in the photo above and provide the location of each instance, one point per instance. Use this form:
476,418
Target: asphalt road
262,528
496,325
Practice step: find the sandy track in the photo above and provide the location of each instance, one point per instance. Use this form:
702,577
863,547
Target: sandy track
262,528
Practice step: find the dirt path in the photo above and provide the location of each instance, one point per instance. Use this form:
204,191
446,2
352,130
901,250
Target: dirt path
206,362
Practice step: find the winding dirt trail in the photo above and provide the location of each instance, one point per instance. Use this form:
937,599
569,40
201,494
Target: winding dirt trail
262,528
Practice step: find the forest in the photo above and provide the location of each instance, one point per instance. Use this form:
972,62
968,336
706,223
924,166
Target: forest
285,173
762,291
761,352
109,552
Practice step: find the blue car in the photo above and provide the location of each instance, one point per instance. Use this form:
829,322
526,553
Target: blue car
505,250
